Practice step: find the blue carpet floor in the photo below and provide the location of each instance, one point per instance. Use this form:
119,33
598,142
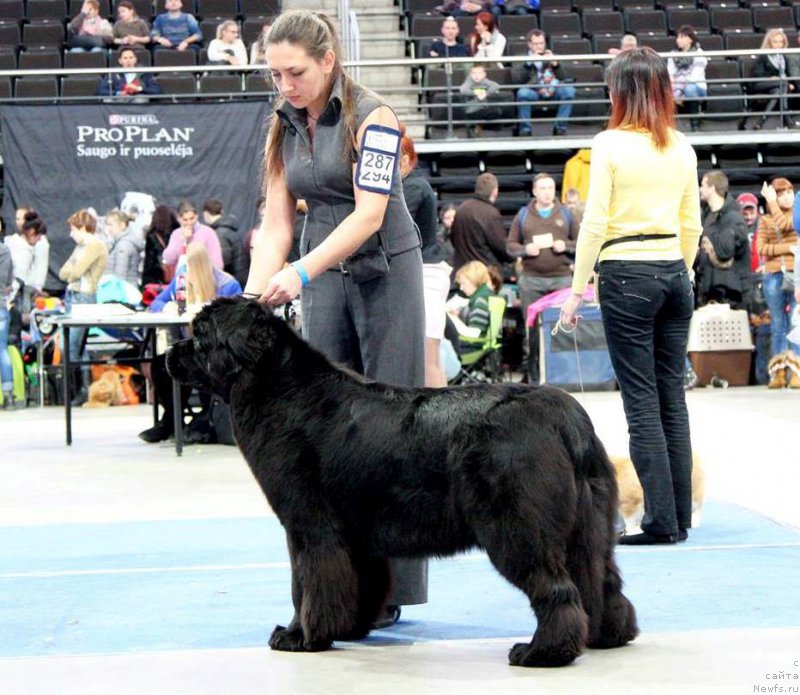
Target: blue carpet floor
86,589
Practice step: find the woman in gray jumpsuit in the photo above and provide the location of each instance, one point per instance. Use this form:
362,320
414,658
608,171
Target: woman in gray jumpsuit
335,144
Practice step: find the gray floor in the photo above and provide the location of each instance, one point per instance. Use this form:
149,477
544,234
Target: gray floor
748,438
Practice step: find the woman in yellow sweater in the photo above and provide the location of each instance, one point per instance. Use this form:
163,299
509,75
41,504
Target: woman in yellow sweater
642,221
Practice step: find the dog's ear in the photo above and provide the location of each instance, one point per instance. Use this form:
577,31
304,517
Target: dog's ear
244,331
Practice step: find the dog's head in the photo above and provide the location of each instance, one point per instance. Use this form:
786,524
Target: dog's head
229,337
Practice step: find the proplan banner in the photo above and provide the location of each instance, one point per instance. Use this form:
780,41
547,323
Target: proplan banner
59,159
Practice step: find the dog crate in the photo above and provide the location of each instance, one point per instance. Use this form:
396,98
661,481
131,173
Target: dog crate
720,344
567,359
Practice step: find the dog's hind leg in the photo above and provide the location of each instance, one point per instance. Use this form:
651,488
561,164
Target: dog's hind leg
612,618
538,567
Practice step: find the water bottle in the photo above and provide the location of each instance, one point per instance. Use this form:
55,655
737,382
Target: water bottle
180,292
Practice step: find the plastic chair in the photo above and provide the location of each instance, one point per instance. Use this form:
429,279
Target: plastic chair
480,357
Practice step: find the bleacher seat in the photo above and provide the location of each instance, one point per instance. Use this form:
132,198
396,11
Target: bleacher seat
255,83
43,32
208,27
635,5
85,60
697,19
43,59
555,24
261,8
46,9
660,44
8,60
36,88
173,59
518,25
217,9
12,9
766,18
645,22
251,30
592,5
9,36
219,83
743,42
571,46
587,74
603,24
5,88
725,20
177,83
79,86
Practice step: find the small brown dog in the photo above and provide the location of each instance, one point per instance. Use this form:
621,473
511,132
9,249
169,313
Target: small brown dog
106,391
631,499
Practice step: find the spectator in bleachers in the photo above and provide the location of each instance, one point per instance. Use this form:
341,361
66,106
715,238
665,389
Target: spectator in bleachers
772,73
722,266
162,224
175,29
478,233
626,43
486,41
130,29
230,240
748,206
479,96
227,48
30,254
544,80
521,7
189,231
130,83
89,31
127,245
449,46
464,8
257,54
573,202
688,74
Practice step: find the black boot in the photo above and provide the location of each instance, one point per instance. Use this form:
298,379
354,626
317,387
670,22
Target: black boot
760,123
742,125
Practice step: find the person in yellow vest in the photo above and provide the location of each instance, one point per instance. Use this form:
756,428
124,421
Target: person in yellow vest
576,174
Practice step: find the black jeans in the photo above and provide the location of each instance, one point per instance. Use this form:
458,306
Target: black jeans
646,308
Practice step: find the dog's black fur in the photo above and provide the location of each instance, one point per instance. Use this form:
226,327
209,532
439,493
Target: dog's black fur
358,472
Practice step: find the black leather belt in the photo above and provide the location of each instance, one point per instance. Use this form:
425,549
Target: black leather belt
636,237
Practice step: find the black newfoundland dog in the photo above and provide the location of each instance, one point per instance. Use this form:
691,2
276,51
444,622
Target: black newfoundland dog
359,472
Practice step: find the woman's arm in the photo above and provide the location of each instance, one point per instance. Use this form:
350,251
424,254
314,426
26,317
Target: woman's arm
272,241
354,230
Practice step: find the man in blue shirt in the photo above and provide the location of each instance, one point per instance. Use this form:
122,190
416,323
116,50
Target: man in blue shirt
176,29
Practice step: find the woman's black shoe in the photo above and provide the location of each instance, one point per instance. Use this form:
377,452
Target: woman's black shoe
153,435
645,538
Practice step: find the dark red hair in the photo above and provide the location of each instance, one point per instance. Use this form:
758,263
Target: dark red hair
641,94
407,147
491,24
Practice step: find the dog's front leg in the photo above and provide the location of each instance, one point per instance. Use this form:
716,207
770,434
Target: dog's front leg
324,593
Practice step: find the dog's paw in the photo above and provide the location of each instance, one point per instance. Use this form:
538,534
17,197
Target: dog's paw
524,654
292,640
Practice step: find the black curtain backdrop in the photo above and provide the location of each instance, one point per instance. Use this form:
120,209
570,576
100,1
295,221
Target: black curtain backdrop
59,159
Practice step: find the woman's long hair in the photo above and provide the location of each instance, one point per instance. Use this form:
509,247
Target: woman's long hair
641,94
488,20
316,35
201,285
767,42
163,222
407,148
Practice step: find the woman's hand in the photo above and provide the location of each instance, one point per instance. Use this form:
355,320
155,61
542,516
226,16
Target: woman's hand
568,316
283,287
769,193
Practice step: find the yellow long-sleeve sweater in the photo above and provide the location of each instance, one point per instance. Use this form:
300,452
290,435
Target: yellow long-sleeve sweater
637,189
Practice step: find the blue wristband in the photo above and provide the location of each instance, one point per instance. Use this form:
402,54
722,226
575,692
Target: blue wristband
301,271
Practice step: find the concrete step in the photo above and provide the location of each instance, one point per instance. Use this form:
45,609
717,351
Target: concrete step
376,22
327,6
382,47
383,77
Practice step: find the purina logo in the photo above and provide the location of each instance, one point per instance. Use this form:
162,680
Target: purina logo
133,119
